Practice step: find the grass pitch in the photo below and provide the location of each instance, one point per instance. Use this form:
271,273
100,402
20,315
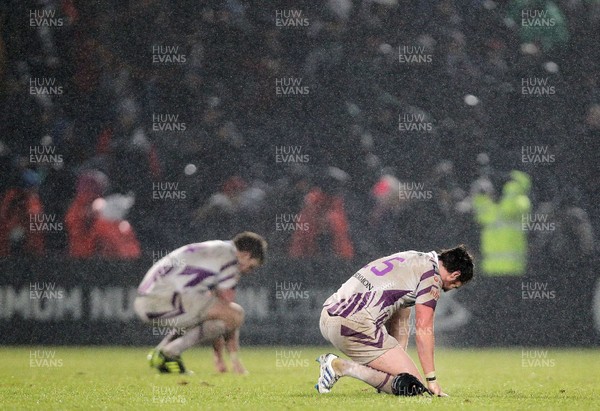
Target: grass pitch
282,378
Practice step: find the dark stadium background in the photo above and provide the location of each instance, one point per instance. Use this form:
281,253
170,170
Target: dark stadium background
220,166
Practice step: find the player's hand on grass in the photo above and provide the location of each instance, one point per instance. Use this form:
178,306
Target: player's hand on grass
435,388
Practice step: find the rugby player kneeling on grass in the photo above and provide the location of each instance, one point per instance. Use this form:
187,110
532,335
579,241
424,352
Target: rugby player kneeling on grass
191,292
368,320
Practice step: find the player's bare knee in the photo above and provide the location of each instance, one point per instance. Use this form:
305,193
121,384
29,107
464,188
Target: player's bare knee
237,314
232,315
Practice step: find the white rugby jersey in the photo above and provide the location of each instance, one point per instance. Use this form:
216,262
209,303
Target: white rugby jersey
195,267
385,285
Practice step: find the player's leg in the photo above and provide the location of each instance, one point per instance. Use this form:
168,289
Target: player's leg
155,359
369,347
397,384
145,308
219,319
168,357
171,335
205,332
395,361
231,314
333,368
221,326
183,314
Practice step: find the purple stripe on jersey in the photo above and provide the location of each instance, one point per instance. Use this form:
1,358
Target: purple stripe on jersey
164,270
424,291
333,304
373,341
381,319
371,299
350,305
191,270
363,302
339,306
229,264
428,274
161,272
331,310
343,305
349,332
353,302
229,277
389,297
431,303
193,247
177,305
199,274
338,309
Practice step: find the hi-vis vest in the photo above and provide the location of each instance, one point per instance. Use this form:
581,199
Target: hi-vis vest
503,240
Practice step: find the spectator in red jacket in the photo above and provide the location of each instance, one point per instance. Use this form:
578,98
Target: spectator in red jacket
323,224
113,235
81,216
19,205
97,225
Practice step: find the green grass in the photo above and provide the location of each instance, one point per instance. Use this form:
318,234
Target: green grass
119,378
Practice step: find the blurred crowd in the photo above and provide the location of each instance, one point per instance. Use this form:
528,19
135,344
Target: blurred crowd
123,153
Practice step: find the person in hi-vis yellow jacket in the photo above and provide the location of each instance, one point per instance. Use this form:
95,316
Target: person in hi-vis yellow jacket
503,240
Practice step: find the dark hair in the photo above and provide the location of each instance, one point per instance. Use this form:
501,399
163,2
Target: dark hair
458,259
253,243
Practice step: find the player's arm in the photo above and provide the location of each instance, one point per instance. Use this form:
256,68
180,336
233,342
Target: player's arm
425,342
227,294
399,326
231,341
218,346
